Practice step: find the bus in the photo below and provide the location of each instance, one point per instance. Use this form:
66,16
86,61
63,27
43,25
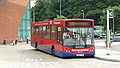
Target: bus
64,38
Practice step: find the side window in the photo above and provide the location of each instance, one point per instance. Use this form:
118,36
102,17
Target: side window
33,30
36,30
48,33
44,32
40,31
54,32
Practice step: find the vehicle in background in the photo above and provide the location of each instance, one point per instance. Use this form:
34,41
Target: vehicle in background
98,29
117,38
98,36
104,36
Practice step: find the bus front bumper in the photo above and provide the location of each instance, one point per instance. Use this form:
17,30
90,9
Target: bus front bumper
64,54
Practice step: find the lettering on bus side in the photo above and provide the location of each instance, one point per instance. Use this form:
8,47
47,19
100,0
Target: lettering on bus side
45,23
38,24
50,22
56,22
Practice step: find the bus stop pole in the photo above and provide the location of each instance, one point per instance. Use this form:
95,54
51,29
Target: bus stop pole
108,33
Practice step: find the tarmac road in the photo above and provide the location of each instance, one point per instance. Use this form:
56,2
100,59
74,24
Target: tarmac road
25,56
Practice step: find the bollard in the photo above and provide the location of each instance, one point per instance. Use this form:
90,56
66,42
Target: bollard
16,41
4,42
27,41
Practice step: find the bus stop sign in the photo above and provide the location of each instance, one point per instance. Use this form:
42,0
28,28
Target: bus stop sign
110,15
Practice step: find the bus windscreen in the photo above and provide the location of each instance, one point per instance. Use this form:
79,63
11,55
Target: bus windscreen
79,23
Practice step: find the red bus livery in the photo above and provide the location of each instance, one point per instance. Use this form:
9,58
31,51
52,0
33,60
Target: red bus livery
64,38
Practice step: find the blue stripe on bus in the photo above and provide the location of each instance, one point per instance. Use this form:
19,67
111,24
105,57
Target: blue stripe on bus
60,53
64,54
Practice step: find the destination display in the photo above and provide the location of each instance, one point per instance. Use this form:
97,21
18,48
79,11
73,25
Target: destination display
79,23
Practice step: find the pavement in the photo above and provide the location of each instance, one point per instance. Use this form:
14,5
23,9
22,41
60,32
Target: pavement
102,51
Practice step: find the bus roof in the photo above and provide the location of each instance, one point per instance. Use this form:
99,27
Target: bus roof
67,20
77,19
56,22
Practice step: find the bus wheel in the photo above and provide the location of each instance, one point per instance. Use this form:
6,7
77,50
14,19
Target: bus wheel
52,50
36,46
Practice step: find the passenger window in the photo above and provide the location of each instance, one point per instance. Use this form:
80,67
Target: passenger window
54,32
33,30
44,32
36,30
40,31
48,32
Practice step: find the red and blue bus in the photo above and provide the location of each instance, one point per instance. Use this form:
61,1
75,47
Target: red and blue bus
64,38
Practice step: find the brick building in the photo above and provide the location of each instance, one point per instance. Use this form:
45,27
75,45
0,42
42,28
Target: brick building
12,14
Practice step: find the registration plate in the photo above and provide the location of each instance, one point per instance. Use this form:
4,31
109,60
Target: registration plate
80,55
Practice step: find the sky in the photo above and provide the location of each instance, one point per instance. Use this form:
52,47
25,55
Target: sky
32,2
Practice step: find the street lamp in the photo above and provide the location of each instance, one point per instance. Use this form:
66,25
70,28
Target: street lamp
33,15
32,4
60,9
83,13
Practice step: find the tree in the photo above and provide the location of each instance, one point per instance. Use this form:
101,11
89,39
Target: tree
60,17
43,10
95,14
93,9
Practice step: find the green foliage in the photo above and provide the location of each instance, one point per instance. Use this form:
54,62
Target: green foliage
93,9
95,14
60,17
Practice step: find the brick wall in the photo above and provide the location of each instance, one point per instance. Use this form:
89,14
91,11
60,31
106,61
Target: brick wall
11,14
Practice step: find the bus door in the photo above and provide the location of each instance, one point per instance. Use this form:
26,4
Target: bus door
59,39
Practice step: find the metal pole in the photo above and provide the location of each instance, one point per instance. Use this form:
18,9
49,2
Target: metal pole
83,13
108,33
113,27
33,15
60,9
